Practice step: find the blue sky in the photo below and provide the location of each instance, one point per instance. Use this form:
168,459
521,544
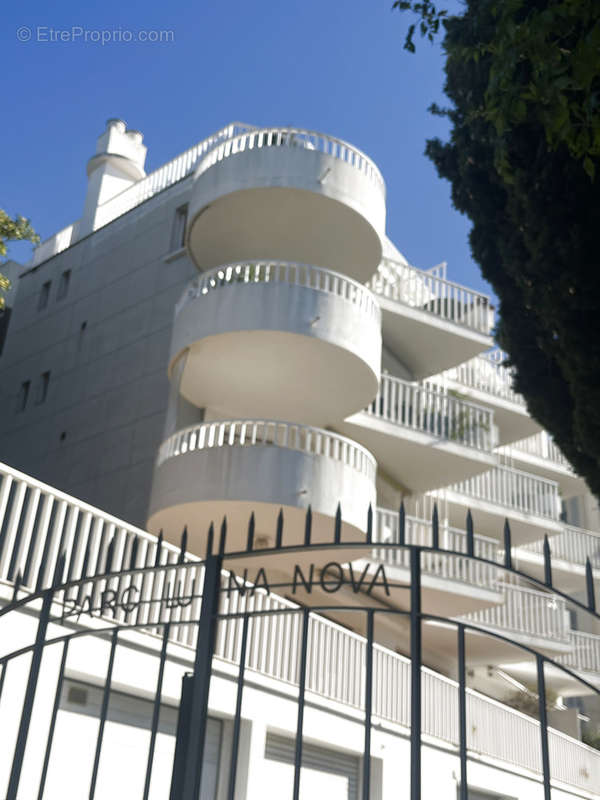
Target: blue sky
336,67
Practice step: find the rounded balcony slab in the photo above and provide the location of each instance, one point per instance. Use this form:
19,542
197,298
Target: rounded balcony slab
235,468
288,341
288,194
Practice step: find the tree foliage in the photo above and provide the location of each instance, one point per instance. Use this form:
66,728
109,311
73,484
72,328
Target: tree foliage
523,78
11,229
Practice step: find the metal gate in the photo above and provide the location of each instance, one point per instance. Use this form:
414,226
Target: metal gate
208,602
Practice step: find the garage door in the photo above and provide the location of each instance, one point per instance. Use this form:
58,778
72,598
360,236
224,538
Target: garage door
325,773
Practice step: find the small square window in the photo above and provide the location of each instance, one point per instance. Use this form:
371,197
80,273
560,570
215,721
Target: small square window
178,233
42,390
63,286
23,395
44,295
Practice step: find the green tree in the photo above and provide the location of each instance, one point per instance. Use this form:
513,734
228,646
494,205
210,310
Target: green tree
523,78
12,230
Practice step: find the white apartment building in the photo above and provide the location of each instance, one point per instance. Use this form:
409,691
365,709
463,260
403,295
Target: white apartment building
234,336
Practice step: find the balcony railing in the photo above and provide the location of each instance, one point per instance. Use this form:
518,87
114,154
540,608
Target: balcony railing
254,139
419,532
513,489
573,545
142,190
485,373
527,612
540,445
39,520
413,287
323,280
265,433
585,652
427,409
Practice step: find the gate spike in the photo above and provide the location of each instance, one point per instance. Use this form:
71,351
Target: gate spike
589,581
279,532
223,538
370,524
547,562
251,524
308,526
507,546
337,527
183,545
59,570
470,536
402,524
435,528
210,539
159,544
110,551
134,552
17,586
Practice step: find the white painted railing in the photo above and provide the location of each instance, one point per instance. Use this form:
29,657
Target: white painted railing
163,177
526,611
429,409
513,489
540,445
585,653
573,545
39,522
406,284
323,280
257,433
485,373
293,137
419,532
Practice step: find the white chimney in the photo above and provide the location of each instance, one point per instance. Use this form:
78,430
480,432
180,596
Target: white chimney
117,164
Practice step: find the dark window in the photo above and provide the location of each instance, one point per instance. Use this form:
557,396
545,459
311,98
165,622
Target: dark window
4,321
178,233
23,395
44,295
63,286
43,384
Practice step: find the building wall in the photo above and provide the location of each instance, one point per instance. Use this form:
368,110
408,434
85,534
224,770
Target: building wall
106,346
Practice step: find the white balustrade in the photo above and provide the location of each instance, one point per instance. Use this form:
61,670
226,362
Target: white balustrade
526,611
540,445
419,532
573,545
37,521
430,409
585,652
417,288
485,373
257,433
513,489
254,139
323,280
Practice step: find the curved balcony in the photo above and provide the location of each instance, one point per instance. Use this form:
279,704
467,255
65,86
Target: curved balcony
288,341
529,502
282,193
484,379
421,435
539,454
234,468
570,551
430,323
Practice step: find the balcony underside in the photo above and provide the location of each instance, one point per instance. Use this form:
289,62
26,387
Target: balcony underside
287,203
426,343
512,419
488,519
556,679
565,575
415,460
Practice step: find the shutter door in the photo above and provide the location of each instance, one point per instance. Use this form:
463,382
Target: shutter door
326,773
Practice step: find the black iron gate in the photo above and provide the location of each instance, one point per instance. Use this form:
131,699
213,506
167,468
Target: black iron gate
195,595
